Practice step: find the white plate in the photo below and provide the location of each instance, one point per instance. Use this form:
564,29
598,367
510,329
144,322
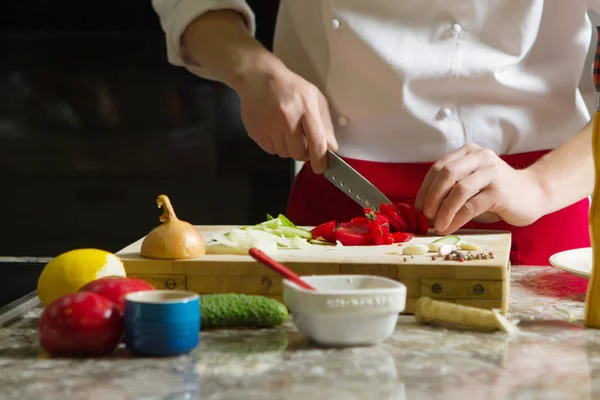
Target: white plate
576,261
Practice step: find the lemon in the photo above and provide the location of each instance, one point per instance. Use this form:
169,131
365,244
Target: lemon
68,272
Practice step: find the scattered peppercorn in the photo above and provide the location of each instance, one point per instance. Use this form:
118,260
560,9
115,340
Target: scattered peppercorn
459,256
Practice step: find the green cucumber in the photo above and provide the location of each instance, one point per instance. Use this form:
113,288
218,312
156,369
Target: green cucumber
224,310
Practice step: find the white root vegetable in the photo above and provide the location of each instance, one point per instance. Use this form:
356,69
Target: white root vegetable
415,249
446,249
429,311
436,244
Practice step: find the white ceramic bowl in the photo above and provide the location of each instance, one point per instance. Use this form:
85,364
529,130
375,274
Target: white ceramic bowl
346,310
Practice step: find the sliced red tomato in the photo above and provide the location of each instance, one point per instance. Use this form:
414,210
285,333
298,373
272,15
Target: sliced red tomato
325,231
407,215
422,224
394,217
401,237
360,220
351,234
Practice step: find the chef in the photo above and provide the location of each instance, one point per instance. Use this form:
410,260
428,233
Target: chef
468,108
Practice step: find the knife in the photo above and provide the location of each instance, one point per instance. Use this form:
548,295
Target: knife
349,181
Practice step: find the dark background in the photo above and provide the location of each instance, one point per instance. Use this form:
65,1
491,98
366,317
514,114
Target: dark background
94,124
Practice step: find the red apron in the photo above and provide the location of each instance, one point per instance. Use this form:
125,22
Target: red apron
313,200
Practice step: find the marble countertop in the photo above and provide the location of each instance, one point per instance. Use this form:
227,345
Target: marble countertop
554,357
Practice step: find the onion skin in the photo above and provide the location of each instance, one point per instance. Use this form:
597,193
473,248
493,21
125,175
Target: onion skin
173,239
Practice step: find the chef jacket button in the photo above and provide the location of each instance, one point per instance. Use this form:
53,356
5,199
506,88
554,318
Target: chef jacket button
335,23
342,121
445,112
456,30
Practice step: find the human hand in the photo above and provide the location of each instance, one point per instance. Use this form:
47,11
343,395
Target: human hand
473,183
288,116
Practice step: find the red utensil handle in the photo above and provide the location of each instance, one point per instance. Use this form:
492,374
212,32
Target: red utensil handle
264,259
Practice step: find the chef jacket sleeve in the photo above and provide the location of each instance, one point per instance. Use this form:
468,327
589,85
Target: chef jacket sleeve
176,15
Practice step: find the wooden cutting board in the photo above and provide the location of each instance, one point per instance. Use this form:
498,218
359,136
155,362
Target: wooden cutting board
481,283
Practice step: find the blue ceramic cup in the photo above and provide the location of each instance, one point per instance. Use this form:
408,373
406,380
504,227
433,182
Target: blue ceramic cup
162,322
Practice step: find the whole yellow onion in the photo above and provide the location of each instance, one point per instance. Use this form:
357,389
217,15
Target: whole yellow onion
173,239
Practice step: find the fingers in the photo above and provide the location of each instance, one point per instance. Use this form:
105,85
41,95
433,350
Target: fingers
267,145
302,130
435,169
327,123
280,145
448,176
459,195
296,143
314,131
475,206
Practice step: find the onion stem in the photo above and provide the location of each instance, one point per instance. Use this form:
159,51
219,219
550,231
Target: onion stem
168,212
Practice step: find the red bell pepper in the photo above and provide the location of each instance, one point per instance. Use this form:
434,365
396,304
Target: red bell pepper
325,231
410,202
422,224
401,237
350,234
360,220
388,238
379,226
407,215
396,221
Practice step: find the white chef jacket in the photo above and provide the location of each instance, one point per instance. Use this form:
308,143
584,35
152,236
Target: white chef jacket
410,81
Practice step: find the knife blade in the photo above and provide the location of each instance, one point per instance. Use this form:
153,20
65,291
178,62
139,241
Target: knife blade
349,181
